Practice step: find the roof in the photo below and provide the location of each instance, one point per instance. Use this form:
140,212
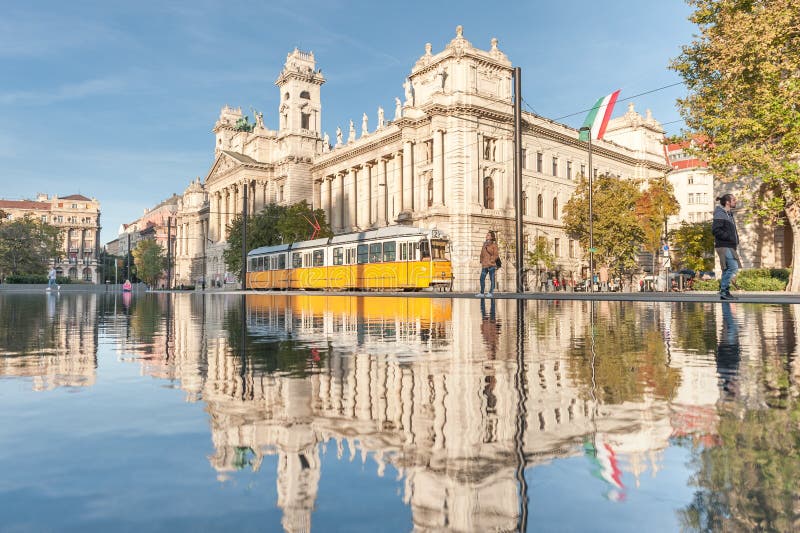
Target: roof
270,249
310,244
25,204
76,197
381,233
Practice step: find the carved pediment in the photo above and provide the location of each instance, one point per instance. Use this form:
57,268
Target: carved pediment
222,166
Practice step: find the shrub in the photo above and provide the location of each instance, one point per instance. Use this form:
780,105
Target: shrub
753,279
26,279
706,285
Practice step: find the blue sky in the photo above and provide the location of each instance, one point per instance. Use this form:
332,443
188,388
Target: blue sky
116,100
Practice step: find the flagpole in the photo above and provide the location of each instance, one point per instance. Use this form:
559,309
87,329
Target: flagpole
588,129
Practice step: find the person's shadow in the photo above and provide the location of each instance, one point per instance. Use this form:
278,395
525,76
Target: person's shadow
490,327
729,352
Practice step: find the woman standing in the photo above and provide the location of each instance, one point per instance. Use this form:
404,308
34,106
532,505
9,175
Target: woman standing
489,257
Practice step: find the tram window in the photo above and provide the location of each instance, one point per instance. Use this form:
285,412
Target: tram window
424,250
319,258
337,256
375,252
350,256
273,263
403,251
297,260
389,249
439,249
260,265
252,265
282,262
307,259
363,253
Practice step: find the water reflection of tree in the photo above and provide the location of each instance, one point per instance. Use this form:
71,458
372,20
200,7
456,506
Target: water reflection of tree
25,326
749,482
146,316
630,357
267,355
695,327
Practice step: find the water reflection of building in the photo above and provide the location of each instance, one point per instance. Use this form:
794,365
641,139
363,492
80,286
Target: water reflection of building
408,382
431,387
51,339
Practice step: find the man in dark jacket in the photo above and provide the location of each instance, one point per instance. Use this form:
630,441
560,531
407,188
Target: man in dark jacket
726,239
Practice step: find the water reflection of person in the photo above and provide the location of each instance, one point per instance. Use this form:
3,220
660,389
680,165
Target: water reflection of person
728,351
490,328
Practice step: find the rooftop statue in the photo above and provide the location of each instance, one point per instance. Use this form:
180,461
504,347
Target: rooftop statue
243,124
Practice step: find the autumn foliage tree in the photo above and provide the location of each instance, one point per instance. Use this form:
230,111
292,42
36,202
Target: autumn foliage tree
653,207
150,261
742,72
617,232
693,245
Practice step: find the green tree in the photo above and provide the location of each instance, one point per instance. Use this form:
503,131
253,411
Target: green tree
693,245
27,246
275,224
742,75
150,261
653,207
617,232
541,256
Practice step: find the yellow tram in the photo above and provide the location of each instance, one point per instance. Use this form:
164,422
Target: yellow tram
390,258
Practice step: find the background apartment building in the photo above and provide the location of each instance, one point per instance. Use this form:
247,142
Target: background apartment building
79,219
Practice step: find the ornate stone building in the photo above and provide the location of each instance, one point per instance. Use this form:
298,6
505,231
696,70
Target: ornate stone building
444,160
78,217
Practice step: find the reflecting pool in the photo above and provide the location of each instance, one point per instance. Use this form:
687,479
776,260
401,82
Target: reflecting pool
160,412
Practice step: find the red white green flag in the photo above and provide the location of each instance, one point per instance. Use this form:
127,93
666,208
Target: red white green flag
598,116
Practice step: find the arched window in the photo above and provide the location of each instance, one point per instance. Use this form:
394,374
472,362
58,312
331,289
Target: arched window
488,193
555,208
539,206
524,203
304,95
286,96
430,192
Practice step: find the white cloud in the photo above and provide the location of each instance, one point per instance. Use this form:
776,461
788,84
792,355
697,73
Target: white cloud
72,91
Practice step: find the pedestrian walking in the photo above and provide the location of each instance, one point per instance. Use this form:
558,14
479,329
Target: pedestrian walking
726,240
51,279
490,256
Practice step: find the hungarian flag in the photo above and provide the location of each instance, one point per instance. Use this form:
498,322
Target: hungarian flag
598,116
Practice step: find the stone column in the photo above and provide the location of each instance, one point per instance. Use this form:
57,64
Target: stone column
380,216
227,210
438,170
352,204
342,204
408,177
325,187
316,203
399,184
218,217
368,183
264,194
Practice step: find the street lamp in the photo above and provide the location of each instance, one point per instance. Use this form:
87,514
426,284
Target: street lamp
588,130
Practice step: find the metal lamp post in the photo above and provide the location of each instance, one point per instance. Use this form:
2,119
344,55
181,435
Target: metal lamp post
591,211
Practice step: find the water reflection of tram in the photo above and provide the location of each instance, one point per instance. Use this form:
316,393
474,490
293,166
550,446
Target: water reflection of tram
390,258
388,318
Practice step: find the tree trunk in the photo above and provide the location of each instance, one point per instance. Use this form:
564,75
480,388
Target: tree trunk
793,215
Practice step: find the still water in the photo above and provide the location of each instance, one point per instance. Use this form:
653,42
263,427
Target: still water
311,413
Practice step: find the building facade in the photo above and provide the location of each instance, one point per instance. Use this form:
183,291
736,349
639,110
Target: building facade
78,217
693,184
444,160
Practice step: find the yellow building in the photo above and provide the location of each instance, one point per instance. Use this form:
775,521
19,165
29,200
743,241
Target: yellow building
78,217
